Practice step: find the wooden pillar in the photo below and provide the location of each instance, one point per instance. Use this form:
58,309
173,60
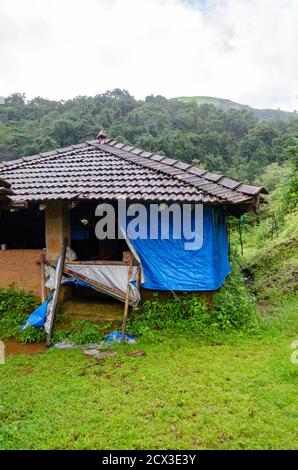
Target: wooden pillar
57,217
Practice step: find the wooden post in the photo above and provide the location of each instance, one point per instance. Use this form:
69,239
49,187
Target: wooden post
54,302
138,277
126,301
176,296
209,301
42,280
240,236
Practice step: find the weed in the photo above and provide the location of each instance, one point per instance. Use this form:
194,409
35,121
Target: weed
15,306
233,308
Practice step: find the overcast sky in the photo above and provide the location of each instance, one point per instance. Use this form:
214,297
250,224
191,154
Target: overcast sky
244,50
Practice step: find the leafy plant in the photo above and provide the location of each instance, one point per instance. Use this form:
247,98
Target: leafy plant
81,332
30,334
15,306
233,308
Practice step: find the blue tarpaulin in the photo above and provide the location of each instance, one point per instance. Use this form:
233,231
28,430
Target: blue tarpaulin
38,317
168,265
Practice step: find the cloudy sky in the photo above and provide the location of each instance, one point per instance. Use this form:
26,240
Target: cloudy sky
244,50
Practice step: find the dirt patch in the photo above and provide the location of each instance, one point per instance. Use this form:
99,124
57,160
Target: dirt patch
13,348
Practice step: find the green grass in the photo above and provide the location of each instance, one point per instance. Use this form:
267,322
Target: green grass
238,395
233,390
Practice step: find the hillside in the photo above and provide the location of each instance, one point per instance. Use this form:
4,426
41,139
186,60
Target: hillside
225,105
271,262
231,142
271,244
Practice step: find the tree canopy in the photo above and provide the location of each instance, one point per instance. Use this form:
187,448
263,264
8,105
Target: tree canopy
233,142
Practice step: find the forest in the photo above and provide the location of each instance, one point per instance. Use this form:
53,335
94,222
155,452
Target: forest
233,142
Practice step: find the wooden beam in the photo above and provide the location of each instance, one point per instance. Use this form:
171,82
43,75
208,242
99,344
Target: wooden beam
100,263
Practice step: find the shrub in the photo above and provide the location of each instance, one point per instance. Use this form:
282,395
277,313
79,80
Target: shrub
15,306
30,335
233,308
81,332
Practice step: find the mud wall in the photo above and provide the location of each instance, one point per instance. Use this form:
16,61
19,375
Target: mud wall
21,268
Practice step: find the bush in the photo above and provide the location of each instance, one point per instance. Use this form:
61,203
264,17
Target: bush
233,308
233,305
15,306
30,335
81,332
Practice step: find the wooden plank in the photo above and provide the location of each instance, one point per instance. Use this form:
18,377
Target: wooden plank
54,302
100,263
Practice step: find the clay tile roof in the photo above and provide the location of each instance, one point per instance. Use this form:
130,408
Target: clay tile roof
5,191
107,169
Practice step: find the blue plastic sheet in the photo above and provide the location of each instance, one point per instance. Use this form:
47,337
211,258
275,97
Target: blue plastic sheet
168,265
115,336
38,317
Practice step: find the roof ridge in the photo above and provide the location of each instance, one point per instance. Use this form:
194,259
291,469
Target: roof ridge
230,184
183,176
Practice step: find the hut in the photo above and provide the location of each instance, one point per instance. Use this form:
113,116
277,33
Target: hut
56,195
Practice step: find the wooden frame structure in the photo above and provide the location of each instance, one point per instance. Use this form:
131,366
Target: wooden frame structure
114,292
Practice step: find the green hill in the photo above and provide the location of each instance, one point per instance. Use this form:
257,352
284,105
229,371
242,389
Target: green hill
225,105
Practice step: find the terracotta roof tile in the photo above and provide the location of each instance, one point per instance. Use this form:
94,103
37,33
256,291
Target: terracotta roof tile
114,170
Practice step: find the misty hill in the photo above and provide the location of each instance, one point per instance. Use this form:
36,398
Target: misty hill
225,105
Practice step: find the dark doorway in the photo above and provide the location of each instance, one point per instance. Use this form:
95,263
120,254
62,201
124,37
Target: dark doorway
23,228
83,238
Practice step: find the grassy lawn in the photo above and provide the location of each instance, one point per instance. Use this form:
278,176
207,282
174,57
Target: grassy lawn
241,394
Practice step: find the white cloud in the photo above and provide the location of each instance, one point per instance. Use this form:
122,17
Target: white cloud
244,50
